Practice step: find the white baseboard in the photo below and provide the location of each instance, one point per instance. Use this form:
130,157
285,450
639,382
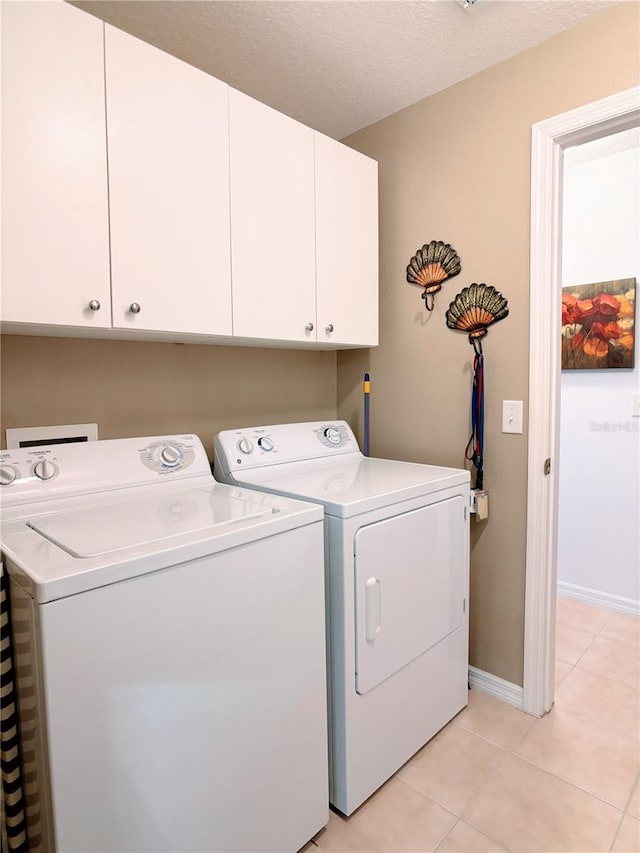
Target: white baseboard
600,599
495,686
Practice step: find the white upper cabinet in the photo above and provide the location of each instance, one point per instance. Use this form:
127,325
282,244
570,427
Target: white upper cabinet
168,134
143,198
272,223
55,235
346,185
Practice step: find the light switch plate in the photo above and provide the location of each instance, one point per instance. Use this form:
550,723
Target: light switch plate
512,416
635,405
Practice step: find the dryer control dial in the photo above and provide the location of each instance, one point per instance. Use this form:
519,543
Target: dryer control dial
265,443
245,445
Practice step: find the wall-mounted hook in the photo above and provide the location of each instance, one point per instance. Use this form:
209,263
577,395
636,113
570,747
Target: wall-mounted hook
429,298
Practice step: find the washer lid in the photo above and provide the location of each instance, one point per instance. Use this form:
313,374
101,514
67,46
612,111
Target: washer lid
64,552
99,530
351,486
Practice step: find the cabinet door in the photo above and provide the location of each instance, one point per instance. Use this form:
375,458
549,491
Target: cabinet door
272,223
346,244
55,239
168,139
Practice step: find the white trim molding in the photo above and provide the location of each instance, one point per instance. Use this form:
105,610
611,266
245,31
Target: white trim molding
549,138
601,599
495,686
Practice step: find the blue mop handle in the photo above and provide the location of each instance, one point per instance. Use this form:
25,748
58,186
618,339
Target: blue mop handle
366,387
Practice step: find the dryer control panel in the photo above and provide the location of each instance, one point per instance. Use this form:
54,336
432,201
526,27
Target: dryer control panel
256,447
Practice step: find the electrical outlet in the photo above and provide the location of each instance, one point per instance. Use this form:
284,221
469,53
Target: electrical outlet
512,416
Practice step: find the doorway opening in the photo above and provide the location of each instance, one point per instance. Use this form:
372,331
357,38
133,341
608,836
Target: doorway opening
550,138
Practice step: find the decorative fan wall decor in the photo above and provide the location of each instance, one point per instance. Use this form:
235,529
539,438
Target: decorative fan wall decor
430,266
472,311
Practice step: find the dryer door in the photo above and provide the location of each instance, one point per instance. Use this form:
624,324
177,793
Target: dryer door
410,585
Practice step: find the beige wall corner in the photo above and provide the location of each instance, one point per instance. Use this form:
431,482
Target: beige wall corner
456,167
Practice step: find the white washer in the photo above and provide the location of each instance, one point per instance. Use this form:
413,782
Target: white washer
397,570
170,645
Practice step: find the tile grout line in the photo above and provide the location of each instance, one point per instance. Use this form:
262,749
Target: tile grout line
496,769
607,677
512,752
574,784
623,646
476,794
594,637
481,832
625,812
459,818
495,743
431,800
633,787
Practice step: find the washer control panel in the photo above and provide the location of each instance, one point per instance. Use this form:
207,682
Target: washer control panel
167,455
257,447
16,466
59,470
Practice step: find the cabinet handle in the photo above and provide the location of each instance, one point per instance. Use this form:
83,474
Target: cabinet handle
309,327
94,305
328,329
134,308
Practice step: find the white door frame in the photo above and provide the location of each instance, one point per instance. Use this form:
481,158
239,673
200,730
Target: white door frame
549,139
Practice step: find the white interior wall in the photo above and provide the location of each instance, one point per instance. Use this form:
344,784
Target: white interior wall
599,509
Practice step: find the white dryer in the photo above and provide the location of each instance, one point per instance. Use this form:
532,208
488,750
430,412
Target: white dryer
170,645
397,573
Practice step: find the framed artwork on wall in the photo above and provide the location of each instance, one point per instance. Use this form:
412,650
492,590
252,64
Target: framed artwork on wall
598,325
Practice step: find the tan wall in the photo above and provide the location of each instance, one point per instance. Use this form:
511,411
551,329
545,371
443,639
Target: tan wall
455,167
139,388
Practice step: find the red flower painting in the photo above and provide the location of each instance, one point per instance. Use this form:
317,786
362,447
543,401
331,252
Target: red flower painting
598,325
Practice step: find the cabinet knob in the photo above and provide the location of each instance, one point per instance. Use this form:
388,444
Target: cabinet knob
329,328
134,308
309,327
94,305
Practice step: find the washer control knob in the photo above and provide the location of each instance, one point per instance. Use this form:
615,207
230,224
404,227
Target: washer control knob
265,443
333,435
44,470
7,476
245,446
170,455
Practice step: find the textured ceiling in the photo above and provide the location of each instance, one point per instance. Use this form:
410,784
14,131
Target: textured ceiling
339,65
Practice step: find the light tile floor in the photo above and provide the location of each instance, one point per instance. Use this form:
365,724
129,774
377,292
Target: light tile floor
496,779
